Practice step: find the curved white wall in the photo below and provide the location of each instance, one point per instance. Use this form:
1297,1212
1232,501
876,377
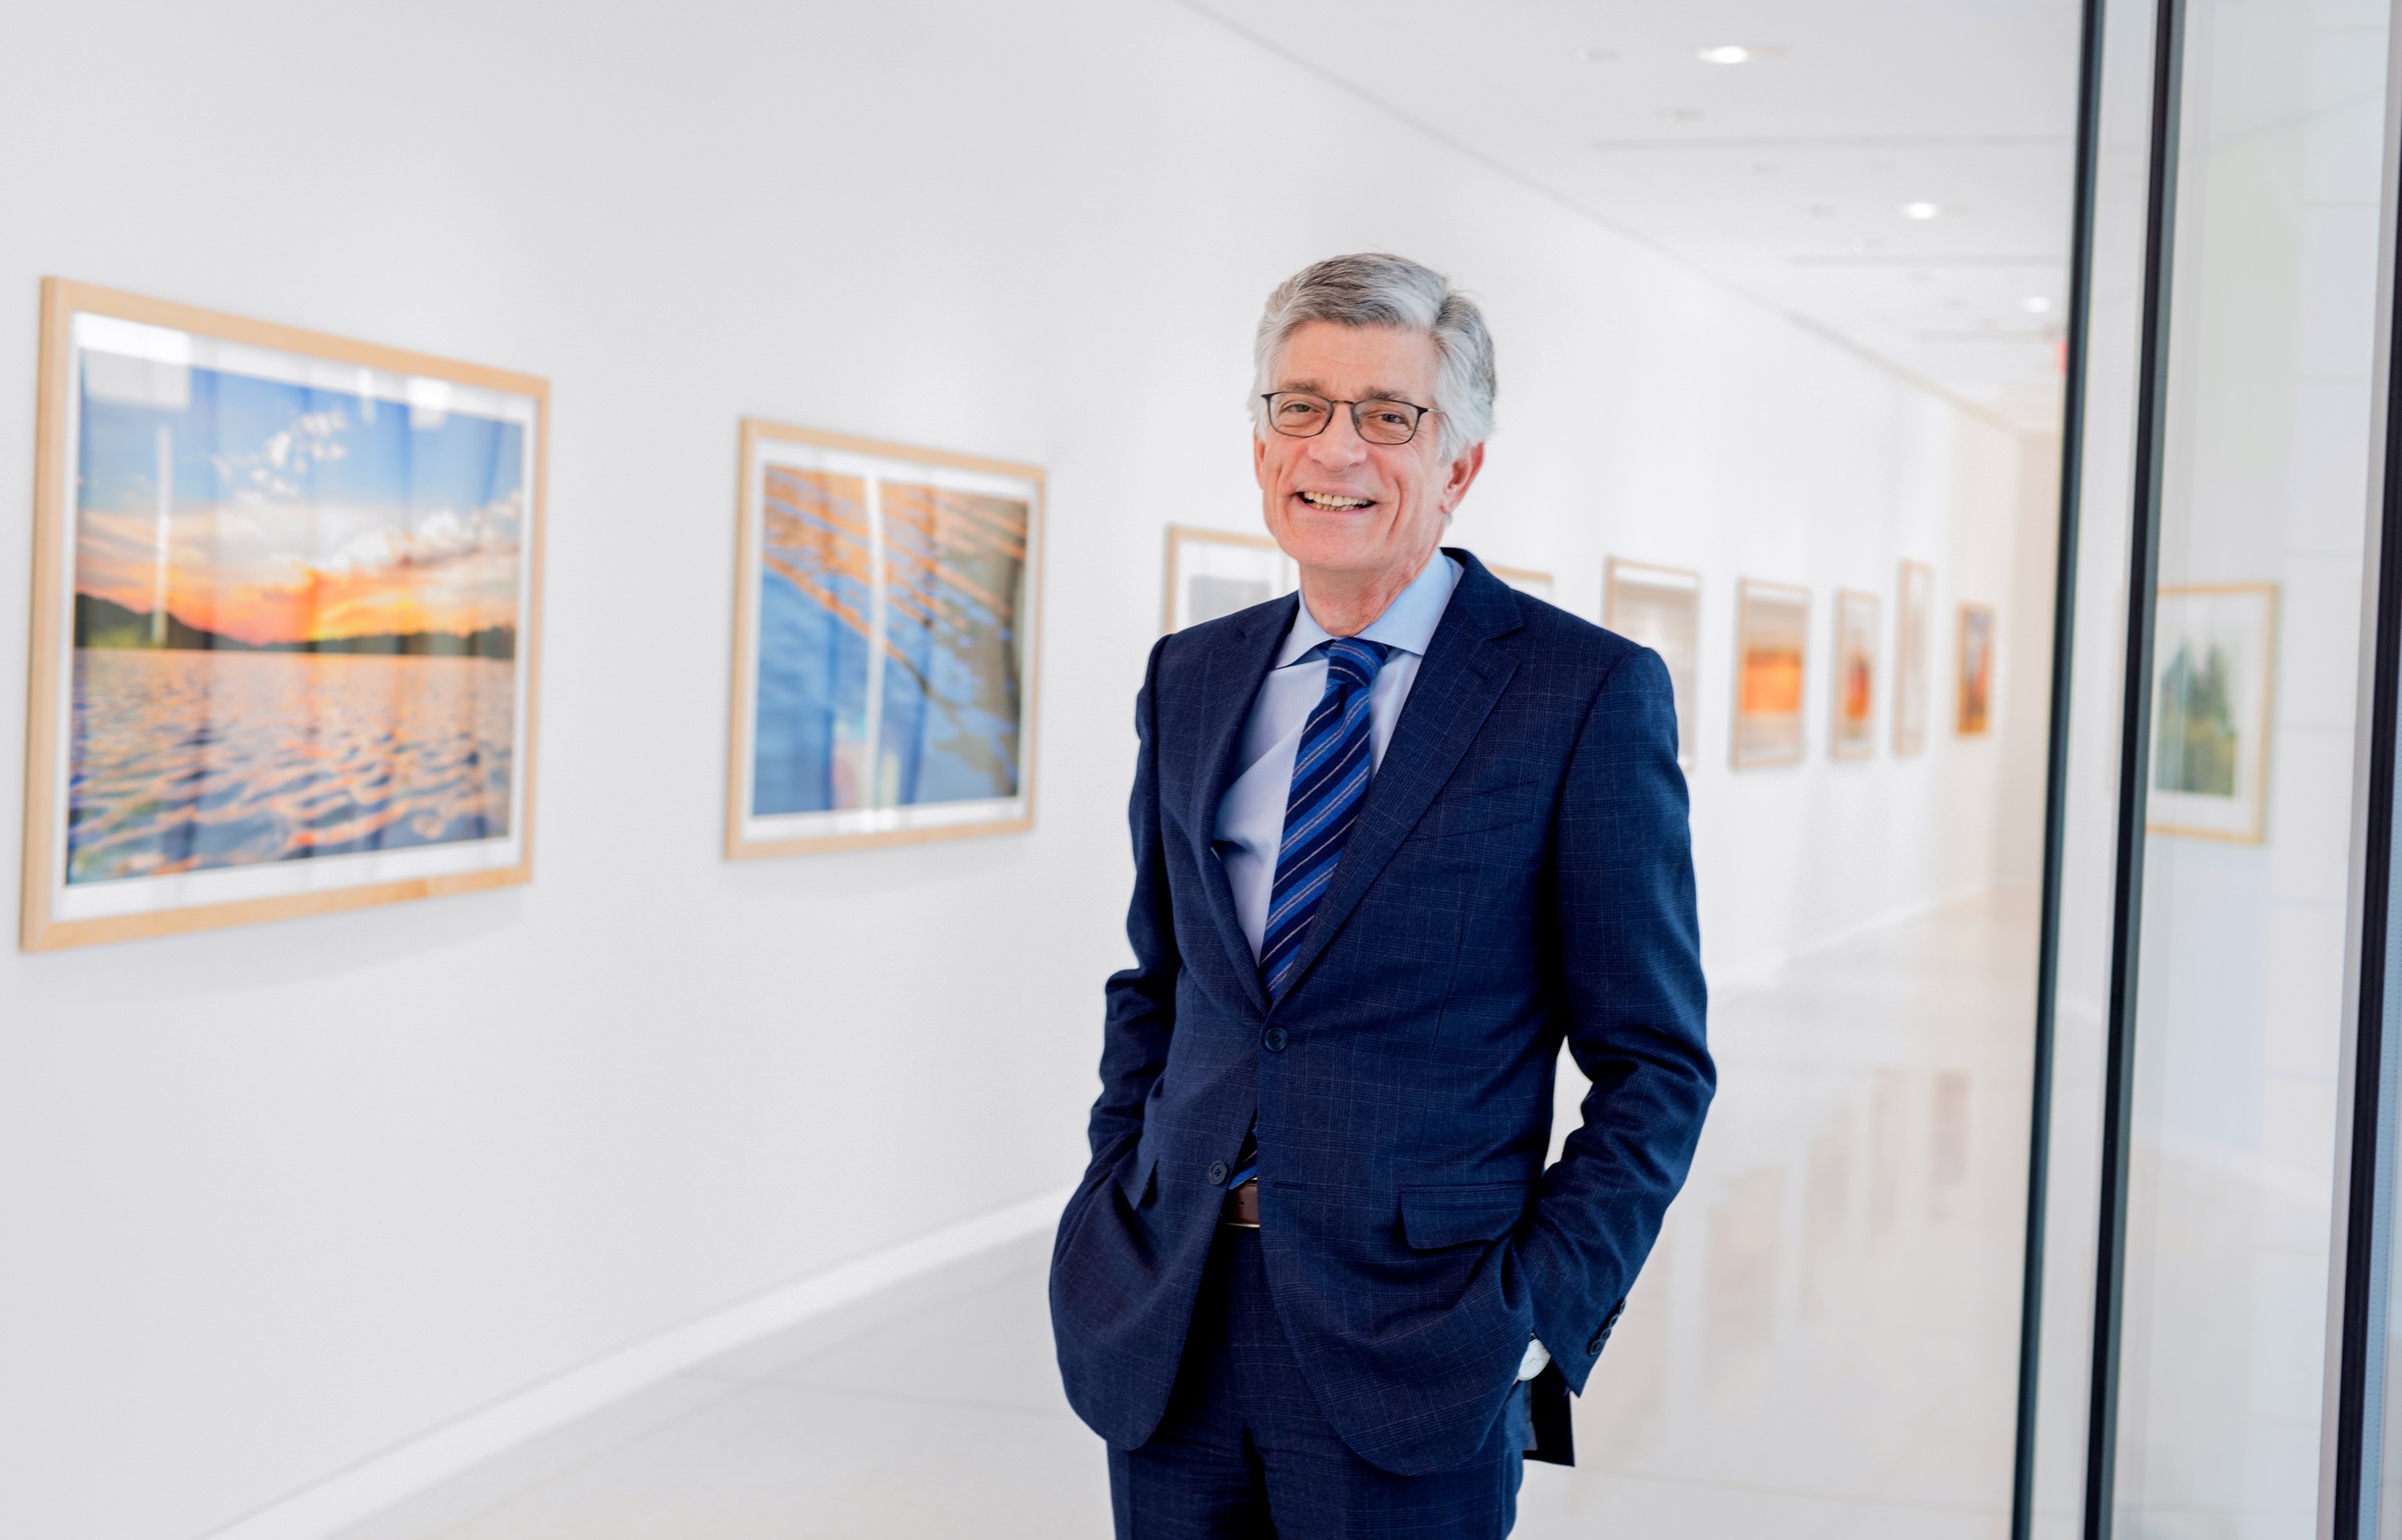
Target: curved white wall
273,1200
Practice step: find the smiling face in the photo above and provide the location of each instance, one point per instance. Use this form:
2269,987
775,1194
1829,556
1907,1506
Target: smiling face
1358,517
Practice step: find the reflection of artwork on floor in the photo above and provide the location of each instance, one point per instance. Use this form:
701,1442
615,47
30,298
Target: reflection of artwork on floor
1660,607
284,622
2213,659
1974,708
1525,579
1856,625
1772,653
1746,1231
1212,574
1914,658
884,643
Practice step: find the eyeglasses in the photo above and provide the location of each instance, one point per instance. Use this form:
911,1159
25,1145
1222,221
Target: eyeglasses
1299,414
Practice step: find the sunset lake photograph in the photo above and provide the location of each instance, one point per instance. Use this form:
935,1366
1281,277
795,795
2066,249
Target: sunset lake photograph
296,620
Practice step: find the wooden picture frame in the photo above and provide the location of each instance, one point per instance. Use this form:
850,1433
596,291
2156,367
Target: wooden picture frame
1212,572
1660,607
1972,672
1851,716
1771,674
880,586
240,593
2213,710
1525,579
1914,654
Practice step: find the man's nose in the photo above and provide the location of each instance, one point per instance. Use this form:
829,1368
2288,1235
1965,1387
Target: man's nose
1341,444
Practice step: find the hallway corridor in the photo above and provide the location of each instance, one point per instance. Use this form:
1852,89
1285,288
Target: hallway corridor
1823,1346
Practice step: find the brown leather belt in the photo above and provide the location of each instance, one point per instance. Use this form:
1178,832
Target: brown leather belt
1242,1205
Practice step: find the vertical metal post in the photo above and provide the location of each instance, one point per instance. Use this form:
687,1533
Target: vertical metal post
2151,417
2056,760
2368,1196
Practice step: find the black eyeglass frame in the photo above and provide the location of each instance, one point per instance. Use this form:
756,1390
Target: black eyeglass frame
1415,423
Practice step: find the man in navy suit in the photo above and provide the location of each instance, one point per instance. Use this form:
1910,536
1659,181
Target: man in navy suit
1393,843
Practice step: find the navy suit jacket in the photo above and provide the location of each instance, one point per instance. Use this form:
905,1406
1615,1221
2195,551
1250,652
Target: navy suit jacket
1520,872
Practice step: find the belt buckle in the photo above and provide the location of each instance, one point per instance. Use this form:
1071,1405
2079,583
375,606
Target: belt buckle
1242,1205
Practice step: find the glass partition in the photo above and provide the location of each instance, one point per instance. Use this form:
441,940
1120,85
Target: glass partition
2206,778
2250,737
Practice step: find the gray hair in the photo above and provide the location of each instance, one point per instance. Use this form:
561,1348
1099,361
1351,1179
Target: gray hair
1373,289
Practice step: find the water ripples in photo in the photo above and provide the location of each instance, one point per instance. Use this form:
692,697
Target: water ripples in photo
188,760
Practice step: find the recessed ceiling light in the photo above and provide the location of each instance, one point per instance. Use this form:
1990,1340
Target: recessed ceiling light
2035,304
1922,211
1733,53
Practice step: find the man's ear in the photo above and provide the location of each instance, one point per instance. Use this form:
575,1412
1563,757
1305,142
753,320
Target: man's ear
1461,476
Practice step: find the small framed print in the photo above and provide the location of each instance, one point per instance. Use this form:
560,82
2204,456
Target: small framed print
1913,659
1974,710
886,643
1212,573
1660,607
1853,734
1525,579
286,623
1772,660
2214,668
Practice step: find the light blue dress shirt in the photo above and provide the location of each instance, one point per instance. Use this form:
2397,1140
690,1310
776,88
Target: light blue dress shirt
1251,815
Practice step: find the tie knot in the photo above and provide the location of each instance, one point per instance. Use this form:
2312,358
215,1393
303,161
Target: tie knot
1354,661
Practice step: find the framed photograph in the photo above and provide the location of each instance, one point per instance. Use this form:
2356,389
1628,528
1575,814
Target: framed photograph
1914,658
286,623
1211,573
2214,668
1973,713
1525,579
886,630
1859,618
1772,658
1660,607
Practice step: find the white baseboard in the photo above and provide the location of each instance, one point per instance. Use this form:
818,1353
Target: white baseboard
380,1481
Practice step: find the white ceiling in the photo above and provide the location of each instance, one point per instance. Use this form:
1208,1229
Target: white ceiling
1785,176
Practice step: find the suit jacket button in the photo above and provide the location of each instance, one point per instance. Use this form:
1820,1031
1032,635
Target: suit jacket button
1217,1172
1275,1037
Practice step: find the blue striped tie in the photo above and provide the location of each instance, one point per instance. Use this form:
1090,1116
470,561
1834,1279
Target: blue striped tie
1330,774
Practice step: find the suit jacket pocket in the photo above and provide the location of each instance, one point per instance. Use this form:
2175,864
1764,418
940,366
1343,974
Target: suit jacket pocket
1481,812
1435,1217
1134,1174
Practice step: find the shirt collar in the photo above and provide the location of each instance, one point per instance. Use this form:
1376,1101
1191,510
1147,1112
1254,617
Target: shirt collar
1407,625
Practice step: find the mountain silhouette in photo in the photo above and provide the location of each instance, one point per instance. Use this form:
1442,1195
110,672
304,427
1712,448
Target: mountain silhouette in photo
101,623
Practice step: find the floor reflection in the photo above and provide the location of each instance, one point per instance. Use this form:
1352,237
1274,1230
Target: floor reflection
1746,1233
1839,1359
1824,1345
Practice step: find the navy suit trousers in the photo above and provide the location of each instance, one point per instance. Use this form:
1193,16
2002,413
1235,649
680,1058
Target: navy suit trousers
1244,1453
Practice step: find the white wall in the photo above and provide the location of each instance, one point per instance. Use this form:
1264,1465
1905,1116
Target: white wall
273,1200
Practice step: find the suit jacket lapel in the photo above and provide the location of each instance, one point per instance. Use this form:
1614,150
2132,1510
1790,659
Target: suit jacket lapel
1229,686
1461,677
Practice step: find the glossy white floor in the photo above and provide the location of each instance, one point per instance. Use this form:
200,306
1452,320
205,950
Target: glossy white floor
1824,1345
